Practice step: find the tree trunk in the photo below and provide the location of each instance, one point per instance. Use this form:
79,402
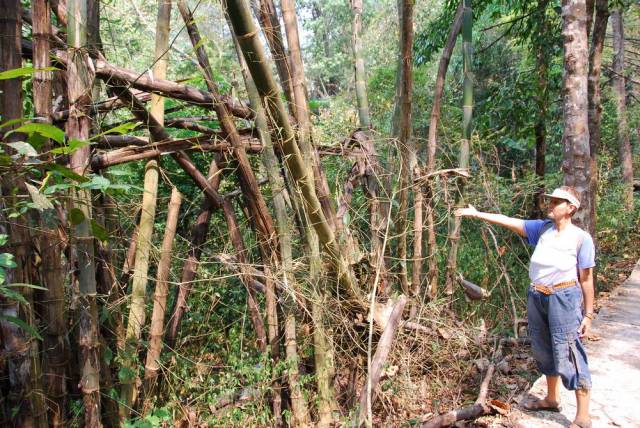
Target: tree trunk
80,78
245,31
593,89
51,269
432,146
408,160
576,153
22,404
160,296
542,55
624,146
300,412
463,159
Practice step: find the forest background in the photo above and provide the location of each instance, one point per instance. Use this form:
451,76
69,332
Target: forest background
318,284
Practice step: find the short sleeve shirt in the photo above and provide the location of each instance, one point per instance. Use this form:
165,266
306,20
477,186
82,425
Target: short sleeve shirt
556,255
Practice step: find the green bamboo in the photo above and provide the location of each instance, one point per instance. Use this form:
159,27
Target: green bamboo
259,66
463,157
359,69
80,83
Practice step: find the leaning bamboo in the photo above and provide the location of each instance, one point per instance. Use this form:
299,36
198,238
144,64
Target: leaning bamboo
463,157
268,17
432,145
80,78
300,411
246,32
152,364
182,159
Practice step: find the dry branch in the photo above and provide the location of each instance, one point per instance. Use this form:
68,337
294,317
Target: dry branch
382,351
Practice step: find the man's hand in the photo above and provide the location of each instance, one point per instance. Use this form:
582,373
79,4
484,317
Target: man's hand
585,327
470,211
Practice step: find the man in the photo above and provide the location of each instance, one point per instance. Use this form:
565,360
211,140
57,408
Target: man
560,298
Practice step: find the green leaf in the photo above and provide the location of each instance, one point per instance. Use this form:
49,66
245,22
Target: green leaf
13,122
70,148
98,231
76,216
3,275
44,129
24,149
3,239
98,182
39,200
23,325
66,172
6,260
23,71
123,128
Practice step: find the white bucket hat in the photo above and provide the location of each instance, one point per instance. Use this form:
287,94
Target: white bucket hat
563,194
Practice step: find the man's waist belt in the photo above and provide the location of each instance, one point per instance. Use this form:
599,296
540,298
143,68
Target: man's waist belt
550,289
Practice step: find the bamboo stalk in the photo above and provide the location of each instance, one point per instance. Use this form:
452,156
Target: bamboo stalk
300,416
80,82
359,69
136,319
245,31
432,145
160,295
463,157
268,17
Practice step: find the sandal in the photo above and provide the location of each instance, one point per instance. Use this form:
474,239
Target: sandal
541,404
581,424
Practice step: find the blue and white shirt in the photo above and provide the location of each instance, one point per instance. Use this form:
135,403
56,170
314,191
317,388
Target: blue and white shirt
557,254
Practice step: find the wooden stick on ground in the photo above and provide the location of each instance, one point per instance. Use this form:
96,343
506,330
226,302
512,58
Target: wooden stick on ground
379,358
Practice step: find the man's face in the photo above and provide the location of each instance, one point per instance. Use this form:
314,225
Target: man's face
558,208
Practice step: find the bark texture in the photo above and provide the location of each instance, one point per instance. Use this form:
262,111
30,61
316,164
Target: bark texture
575,139
619,88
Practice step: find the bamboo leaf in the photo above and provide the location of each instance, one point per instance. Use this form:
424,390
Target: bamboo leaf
98,182
13,122
23,71
71,147
13,295
23,325
66,172
121,129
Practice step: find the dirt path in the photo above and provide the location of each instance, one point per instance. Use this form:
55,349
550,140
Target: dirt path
614,359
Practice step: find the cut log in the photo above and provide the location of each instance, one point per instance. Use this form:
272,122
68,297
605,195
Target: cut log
450,418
